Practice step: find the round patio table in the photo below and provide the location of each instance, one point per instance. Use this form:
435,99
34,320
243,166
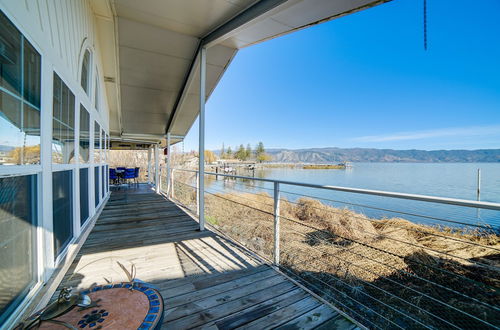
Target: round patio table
131,305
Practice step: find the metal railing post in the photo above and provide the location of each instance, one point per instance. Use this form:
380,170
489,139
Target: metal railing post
478,184
276,223
172,184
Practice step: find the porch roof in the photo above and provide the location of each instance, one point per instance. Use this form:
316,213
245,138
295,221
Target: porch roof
149,49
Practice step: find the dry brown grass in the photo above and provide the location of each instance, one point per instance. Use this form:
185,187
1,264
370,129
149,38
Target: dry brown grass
406,265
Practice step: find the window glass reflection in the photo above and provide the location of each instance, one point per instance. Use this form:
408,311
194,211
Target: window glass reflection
108,143
62,208
18,221
32,74
96,93
103,146
10,63
63,123
84,195
96,185
97,143
19,98
84,135
103,181
85,71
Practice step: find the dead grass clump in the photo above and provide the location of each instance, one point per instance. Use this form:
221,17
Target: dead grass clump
341,222
455,242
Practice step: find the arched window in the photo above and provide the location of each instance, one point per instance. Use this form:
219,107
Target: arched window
85,79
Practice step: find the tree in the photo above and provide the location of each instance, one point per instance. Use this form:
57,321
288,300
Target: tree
25,155
229,153
241,154
222,153
260,153
259,149
263,157
210,157
248,151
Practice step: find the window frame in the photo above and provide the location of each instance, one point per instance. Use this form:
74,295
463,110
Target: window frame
36,250
76,122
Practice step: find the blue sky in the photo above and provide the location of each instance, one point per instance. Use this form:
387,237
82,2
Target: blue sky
364,80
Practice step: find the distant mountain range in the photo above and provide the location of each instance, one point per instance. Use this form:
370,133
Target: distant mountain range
337,155
5,148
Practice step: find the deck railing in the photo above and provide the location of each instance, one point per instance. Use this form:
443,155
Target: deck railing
420,262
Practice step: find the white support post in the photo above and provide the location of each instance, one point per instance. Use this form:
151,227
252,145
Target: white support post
276,223
76,173
201,158
157,169
168,163
45,237
149,166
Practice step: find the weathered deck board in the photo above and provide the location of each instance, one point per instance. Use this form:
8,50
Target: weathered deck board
207,281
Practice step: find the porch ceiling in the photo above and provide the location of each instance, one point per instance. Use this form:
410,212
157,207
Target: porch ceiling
157,41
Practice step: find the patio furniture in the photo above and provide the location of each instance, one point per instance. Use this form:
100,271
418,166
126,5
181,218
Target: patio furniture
113,177
120,171
129,305
136,175
129,174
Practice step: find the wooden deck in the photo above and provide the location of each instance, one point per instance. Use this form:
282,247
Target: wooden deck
206,281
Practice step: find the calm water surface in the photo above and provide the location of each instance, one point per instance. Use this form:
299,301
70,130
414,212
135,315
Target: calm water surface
454,180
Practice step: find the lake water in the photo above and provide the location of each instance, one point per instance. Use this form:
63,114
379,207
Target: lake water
453,180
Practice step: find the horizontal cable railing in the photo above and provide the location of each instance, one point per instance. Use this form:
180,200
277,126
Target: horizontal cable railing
386,267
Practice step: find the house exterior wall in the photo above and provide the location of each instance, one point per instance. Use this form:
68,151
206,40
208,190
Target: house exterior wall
60,31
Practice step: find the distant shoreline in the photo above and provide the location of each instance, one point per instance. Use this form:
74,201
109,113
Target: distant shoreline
372,155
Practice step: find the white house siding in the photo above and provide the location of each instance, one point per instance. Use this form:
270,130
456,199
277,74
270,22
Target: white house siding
61,31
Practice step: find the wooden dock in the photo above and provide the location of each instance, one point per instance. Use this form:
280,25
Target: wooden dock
206,281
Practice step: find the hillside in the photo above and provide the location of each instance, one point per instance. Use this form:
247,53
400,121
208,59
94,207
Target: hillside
331,155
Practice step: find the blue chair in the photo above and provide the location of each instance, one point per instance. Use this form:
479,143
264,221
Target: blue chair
136,175
129,174
121,168
112,175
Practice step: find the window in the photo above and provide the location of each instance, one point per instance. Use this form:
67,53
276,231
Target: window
62,204
108,145
103,181
96,93
63,123
103,146
107,178
97,143
84,195
96,185
84,135
85,78
18,221
20,68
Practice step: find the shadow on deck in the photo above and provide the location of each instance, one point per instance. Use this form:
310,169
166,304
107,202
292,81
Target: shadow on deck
206,280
